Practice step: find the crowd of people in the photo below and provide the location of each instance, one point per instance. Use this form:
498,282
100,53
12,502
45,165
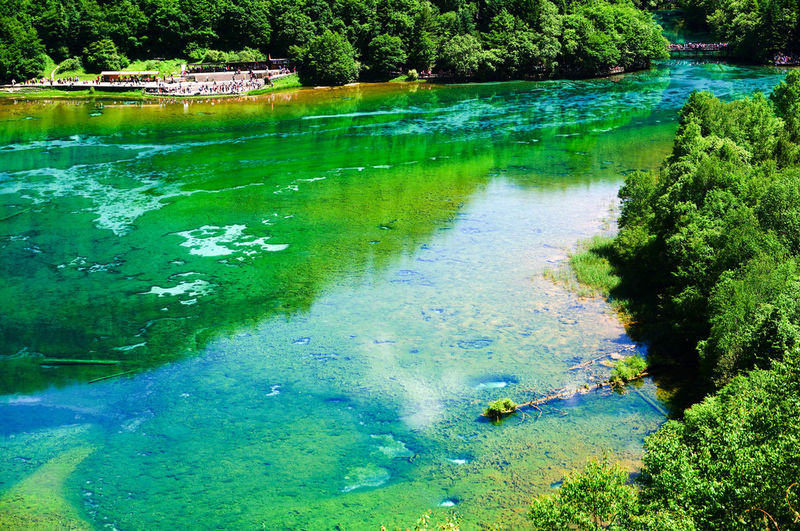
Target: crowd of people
699,46
208,89
786,60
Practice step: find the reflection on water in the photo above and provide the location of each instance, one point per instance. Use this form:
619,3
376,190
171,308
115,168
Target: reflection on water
311,297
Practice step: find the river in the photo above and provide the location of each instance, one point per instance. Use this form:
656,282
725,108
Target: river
310,297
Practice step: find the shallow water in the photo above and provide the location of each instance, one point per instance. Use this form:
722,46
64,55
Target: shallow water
316,293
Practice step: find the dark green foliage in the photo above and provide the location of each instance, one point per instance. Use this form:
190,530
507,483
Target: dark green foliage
463,56
756,31
498,39
597,498
327,60
103,55
500,407
386,54
734,452
711,239
21,52
733,455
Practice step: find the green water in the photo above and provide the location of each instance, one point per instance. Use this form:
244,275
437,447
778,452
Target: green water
316,294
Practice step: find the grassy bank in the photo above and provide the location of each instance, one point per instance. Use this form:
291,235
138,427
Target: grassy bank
34,93
589,272
282,83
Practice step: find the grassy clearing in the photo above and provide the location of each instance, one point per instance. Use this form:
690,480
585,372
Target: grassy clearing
48,67
282,83
166,68
80,74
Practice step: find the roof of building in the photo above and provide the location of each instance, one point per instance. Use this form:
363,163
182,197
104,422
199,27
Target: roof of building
129,73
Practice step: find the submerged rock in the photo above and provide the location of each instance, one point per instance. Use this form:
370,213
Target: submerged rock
391,447
365,476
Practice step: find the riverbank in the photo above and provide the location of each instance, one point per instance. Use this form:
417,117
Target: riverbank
109,91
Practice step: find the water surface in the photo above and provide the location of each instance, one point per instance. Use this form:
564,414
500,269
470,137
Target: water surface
312,296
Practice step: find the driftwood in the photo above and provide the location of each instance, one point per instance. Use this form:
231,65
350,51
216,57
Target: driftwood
112,376
64,361
17,213
566,393
616,355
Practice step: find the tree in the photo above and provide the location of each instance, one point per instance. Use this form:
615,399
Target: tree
103,55
734,455
597,498
329,59
462,55
21,52
386,54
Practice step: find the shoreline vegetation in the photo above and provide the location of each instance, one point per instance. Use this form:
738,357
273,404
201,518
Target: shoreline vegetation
706,263
331,43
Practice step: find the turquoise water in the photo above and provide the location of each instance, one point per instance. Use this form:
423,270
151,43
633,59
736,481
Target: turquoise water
311,296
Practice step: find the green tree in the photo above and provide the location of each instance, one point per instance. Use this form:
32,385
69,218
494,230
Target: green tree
733,455
594,499
386,54
462,55
328,60
103,55
21,52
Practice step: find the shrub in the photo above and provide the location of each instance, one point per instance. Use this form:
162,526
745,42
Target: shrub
500,407
412,75
627,369
71,64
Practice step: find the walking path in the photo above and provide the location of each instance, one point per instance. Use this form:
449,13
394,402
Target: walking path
234,85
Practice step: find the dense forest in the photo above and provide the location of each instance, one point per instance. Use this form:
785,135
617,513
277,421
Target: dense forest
497,39
709,248
756,31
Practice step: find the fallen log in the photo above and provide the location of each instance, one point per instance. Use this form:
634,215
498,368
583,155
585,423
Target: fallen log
567,393
65,361
111,376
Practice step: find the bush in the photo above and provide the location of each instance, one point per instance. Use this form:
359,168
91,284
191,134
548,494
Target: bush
501,407
412,75
627,369
71,64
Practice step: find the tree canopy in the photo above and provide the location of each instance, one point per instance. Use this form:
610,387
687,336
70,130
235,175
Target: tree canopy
709,245
755,30
502,39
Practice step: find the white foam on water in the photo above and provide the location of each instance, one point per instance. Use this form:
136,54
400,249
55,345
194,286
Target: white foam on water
195,288
448,503
491,385
211,240
459,461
